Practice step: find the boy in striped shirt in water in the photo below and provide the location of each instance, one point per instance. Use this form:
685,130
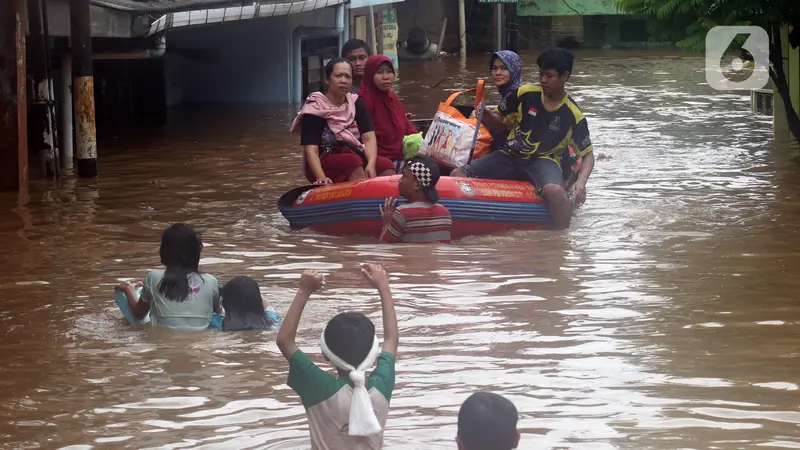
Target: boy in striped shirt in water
422,219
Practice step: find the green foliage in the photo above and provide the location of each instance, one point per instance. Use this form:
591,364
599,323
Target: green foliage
686,22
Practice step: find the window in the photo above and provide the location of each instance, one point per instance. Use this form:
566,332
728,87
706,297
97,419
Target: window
633,30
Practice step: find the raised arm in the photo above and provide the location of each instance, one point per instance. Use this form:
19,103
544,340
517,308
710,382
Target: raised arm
310,281
379,280
394,223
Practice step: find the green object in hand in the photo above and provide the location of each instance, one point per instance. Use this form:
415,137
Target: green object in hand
411,145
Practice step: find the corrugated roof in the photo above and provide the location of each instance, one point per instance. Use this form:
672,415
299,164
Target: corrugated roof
230,13
163,6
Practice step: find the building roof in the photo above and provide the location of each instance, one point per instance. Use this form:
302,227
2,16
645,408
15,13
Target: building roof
163,6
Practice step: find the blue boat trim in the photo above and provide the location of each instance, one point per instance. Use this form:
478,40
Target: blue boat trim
462,210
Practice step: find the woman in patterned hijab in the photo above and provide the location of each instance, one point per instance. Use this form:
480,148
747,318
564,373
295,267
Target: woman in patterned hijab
506,69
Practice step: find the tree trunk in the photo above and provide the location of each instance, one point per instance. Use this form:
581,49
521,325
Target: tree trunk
779,78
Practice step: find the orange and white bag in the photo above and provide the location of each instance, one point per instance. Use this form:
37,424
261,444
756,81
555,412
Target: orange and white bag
451,134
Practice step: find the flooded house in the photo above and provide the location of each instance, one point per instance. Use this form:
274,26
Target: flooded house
143,57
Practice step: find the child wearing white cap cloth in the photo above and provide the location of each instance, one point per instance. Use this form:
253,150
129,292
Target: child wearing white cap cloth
348,412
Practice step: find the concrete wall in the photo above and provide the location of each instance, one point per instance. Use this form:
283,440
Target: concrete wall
237,62
562,8
600,31
105,22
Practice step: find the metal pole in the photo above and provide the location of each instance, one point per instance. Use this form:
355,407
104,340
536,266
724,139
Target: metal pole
52,90
441,39
499,13
512,27
83,88
462,27
67,152
41,120
372,40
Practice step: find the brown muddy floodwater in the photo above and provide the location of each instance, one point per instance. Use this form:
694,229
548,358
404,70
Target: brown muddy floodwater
666,317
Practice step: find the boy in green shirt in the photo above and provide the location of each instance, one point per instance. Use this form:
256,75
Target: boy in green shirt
348,412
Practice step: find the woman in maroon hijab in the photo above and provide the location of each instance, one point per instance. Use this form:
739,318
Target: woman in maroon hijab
387,113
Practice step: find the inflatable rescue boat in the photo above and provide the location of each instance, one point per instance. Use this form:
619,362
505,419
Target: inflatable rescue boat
478,206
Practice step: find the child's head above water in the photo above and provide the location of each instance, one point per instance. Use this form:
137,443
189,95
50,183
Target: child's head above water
419,179
244,308
350,336
180,253
487,421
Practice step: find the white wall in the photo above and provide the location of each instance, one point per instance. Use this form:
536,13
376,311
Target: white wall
238,62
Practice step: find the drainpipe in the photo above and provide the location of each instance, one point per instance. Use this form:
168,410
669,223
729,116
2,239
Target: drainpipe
462,27
346,31
67,152
158,52
340,23
296,54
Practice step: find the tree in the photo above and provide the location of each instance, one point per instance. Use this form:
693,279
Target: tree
687,21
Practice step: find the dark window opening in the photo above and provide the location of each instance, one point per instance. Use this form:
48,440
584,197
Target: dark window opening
634,30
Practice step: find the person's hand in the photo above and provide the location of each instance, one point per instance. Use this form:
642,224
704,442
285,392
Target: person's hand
376,276
472,115
311,281
370,170
387,210
125,287
323,180
578,193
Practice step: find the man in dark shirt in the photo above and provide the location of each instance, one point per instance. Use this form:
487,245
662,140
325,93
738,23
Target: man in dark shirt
548,121
357,52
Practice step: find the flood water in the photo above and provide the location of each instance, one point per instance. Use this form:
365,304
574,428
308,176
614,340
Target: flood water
666,317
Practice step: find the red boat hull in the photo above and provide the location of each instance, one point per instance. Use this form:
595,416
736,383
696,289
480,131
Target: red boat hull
478,207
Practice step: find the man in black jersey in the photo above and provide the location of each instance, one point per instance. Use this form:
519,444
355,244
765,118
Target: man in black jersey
547,121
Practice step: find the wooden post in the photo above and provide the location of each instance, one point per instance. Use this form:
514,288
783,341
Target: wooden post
22,96
13,100
83,88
